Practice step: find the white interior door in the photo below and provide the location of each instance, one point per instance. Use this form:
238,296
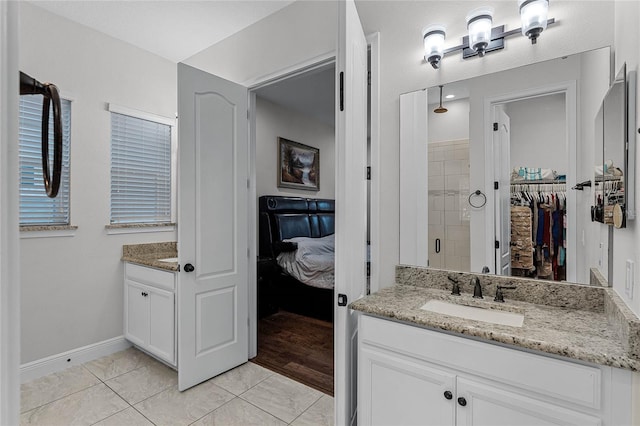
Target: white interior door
212,235
351,202
502,164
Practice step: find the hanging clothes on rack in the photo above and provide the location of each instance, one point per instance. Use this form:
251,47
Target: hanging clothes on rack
545,206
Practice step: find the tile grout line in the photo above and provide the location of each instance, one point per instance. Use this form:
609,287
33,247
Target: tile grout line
121,397
62,397
307,409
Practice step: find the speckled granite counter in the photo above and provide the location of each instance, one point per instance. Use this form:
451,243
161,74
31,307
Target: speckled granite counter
150,255
581,322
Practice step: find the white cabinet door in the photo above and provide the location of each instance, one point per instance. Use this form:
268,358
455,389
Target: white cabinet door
136,327
161,324
396,390
213,331
150,319
480,404
351,201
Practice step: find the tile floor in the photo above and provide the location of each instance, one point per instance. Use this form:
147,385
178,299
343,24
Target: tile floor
131,388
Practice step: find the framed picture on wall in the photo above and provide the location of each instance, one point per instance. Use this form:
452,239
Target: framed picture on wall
298,165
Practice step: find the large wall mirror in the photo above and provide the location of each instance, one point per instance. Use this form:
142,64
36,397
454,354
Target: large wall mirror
614,201
505,161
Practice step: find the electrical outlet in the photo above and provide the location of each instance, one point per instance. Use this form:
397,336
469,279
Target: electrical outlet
629,279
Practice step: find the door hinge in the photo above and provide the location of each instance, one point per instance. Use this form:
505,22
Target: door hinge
497,244
368,78
248,116
342,299
341,91
368,172
496,185
495,127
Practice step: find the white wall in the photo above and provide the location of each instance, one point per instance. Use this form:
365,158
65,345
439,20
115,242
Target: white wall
273,121
452,125
627,241
307,29
72,290
538,127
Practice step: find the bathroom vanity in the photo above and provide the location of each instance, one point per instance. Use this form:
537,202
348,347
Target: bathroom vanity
150,278
573,360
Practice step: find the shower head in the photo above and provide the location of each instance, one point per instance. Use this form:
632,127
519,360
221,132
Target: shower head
440,109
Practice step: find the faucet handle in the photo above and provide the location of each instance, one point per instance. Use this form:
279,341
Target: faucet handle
455,290
499,296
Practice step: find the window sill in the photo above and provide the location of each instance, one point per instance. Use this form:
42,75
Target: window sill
47,231
136,228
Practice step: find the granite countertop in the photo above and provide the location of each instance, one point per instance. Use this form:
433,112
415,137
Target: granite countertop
598,328
150,255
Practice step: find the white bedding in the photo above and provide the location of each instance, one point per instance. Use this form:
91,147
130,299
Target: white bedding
312,263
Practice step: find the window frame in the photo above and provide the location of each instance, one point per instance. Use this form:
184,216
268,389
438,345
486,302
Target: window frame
125,228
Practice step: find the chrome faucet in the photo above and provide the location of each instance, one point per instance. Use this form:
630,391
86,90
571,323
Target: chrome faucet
477,288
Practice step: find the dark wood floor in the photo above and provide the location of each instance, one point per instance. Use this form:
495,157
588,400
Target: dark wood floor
298,347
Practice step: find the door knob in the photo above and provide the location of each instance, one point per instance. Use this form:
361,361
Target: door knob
189,267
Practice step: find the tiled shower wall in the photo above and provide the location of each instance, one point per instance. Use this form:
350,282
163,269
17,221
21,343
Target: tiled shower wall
448,205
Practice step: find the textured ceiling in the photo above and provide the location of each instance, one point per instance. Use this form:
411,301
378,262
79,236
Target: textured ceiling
175,29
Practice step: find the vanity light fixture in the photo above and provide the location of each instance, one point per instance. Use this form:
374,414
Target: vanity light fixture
482,38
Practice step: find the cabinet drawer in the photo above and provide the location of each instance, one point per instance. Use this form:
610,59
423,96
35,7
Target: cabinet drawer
150,276
549,377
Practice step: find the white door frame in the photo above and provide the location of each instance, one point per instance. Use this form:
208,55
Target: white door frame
253,85
569,90
9,216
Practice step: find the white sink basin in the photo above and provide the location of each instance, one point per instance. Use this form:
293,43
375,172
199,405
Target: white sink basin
493,316
169,259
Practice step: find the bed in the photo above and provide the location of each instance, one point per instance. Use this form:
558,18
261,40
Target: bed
296,262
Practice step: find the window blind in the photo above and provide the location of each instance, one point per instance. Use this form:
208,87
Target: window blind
140,170
35,207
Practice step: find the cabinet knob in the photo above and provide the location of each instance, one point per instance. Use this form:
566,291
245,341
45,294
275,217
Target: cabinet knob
189,267
448,395
144,294
462,401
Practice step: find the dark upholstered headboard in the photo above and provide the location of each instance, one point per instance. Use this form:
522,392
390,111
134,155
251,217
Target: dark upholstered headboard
288,217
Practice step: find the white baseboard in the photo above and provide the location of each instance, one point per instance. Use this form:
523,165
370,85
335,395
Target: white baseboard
52,364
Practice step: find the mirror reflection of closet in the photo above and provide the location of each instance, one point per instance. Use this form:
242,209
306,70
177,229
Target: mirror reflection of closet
538,187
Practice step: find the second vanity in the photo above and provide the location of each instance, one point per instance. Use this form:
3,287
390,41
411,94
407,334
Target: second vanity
150,280
573,361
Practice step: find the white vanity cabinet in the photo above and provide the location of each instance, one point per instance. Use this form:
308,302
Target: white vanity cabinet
413,376
149,310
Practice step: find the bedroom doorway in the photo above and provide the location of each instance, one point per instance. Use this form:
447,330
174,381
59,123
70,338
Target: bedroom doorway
295,126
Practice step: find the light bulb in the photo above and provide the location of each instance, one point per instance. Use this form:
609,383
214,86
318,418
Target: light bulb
433,37
479,23
533,14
